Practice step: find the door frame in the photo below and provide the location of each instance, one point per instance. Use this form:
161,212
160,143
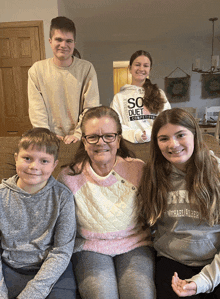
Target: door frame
119,70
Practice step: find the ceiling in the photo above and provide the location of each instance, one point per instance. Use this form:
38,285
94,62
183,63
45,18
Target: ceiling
135,20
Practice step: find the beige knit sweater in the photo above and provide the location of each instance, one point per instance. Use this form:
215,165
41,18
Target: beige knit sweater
55,94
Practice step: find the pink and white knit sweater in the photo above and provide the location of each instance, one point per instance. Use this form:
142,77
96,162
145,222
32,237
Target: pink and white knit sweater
105,208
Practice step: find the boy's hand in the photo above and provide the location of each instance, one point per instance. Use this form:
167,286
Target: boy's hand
183,288
70,138
59,137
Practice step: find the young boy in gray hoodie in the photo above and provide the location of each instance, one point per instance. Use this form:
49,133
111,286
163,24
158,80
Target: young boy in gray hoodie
37,224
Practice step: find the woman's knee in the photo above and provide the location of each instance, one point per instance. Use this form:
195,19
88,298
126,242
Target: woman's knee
135,271
95,274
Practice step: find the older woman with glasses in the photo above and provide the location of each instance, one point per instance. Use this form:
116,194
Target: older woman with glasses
113,258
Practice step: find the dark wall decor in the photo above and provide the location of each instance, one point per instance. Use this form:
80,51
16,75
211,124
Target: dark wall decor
210,86
177,89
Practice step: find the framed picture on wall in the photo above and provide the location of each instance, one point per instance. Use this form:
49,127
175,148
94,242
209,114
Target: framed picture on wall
210,86
177,89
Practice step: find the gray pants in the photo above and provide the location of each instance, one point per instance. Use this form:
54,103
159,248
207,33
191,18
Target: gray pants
64,288
125,276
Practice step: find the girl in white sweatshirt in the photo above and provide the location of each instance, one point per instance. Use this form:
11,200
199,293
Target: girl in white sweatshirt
139,104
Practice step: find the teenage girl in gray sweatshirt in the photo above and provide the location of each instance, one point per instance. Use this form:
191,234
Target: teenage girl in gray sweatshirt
181,194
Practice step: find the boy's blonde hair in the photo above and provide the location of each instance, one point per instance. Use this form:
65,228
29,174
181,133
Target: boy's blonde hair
42,139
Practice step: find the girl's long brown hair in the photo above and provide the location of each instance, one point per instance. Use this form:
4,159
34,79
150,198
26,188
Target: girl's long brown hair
202,174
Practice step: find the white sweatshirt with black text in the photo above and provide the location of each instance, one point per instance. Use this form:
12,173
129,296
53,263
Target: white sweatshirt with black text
134,117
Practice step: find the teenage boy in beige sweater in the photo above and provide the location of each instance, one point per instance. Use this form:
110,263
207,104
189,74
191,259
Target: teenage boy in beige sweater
62,88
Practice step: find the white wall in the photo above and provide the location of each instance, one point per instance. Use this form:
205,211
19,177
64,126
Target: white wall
31,10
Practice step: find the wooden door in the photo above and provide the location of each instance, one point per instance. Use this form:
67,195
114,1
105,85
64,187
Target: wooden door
21,44
121,75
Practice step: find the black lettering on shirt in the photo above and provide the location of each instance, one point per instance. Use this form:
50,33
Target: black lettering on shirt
131,118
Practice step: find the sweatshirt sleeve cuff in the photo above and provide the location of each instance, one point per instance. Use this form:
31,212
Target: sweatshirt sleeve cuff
30,292
78,135
201,283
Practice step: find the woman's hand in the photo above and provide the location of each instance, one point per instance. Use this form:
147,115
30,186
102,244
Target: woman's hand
183,288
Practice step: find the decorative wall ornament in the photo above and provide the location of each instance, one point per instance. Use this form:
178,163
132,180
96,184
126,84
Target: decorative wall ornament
210,86
177,89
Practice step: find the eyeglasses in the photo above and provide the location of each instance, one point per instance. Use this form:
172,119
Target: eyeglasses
107,138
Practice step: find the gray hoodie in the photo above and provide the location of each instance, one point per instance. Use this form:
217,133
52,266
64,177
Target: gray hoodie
37,231
182,237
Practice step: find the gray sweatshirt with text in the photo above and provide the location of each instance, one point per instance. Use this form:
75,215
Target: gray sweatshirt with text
183,237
